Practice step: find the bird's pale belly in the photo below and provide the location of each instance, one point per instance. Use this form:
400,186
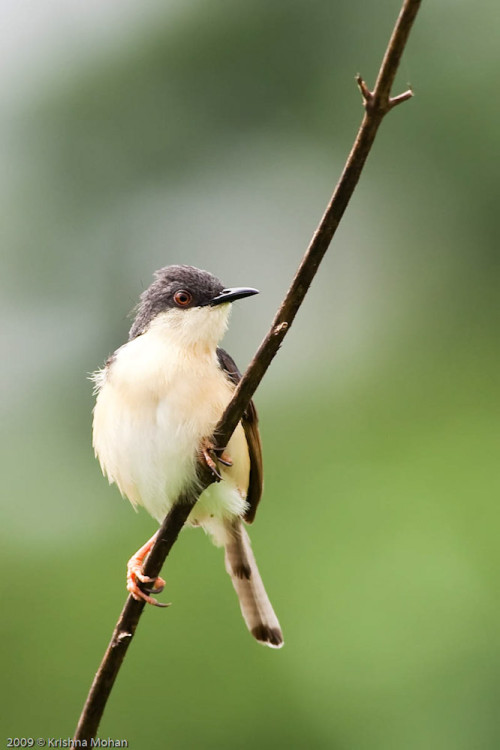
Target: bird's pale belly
147,441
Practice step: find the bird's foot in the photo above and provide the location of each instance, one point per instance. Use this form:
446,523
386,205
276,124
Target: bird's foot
212,455
135,577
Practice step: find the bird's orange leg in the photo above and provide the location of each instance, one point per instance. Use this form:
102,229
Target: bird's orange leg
135,574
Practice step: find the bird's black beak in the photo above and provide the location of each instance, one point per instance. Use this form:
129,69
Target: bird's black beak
230,295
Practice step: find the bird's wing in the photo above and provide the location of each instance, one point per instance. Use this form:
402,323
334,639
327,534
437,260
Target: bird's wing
250,422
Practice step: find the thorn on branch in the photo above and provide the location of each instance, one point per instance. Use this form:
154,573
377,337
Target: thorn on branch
395,100
365,91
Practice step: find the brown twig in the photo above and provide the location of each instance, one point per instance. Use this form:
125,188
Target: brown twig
377,104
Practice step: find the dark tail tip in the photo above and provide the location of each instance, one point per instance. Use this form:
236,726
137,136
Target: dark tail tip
269,636
242,571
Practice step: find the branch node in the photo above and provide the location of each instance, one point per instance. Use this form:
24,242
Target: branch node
281,328
123,636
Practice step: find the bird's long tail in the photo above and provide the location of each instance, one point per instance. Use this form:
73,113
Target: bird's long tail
254,602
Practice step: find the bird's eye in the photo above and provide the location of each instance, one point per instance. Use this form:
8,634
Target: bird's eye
183,298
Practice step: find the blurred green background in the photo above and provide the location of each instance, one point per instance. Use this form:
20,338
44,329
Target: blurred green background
137,135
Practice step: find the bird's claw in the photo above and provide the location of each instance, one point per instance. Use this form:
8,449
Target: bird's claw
136,576
223,457
211,455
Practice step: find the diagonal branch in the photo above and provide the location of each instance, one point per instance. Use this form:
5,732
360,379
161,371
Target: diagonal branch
377,104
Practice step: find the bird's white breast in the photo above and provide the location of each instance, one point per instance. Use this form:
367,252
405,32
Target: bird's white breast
157,400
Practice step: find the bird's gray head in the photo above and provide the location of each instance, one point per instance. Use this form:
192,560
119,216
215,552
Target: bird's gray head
187,300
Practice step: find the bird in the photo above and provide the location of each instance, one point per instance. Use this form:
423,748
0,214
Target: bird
158,400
